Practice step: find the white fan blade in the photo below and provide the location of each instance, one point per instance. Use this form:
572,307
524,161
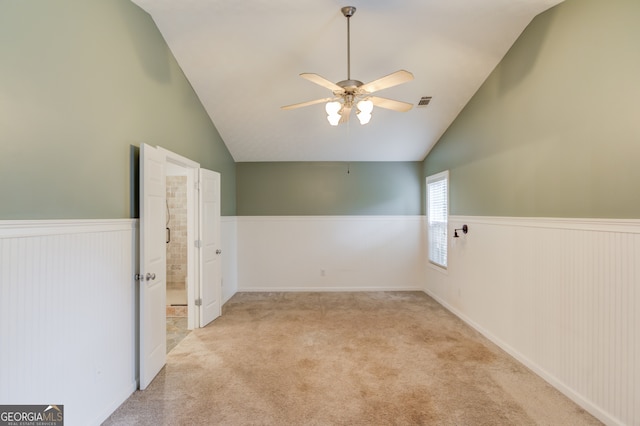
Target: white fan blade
390,104
321,81
304,104
390,80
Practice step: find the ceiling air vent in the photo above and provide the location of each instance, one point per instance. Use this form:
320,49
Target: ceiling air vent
424,101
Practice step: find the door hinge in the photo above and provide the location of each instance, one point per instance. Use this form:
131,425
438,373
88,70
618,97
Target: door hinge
198,302
196,185
198,243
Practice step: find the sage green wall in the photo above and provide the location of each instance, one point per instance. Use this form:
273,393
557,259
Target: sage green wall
329,188
81,82
555,130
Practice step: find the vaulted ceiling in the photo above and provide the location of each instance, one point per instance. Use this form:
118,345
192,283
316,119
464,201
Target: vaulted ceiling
243,59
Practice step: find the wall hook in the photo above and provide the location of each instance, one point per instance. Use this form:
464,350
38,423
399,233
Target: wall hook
464,230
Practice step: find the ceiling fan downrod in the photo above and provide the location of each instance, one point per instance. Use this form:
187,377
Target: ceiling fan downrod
348,12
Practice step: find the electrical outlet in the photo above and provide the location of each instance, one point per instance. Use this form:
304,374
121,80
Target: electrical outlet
322,273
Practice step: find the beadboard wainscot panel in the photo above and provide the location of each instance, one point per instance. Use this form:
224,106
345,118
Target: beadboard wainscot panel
330,253
560,295
229,237
67,315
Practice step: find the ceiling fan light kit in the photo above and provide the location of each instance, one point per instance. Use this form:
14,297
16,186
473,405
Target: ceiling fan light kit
333,112
349,93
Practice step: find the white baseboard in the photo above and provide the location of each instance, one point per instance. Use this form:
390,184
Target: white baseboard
325,289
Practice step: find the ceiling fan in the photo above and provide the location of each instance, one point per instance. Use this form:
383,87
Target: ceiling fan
349,93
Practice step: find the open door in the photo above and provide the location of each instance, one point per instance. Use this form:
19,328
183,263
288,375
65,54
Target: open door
210,265
153,264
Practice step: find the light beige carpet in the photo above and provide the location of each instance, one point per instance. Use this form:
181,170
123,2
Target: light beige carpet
375,358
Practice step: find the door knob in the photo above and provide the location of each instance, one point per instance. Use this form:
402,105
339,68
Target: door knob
150,276
218,251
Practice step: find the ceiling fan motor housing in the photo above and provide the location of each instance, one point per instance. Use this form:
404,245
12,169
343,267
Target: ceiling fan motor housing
350,93
348,11
349,85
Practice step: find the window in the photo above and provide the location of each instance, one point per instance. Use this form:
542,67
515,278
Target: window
438,217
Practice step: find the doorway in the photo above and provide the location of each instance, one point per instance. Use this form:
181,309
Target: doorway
203,271
181,227
177,309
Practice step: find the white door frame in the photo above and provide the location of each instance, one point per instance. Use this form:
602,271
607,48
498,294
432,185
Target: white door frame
192,170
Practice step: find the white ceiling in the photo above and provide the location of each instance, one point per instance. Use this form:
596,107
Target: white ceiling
243,59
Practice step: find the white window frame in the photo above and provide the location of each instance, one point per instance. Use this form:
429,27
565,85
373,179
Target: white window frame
437,225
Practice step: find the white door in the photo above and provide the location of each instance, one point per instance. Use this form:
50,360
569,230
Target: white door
153,264
210,264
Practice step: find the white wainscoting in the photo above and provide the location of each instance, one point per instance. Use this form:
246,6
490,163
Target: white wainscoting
330,253
67,315
229,237
560,295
